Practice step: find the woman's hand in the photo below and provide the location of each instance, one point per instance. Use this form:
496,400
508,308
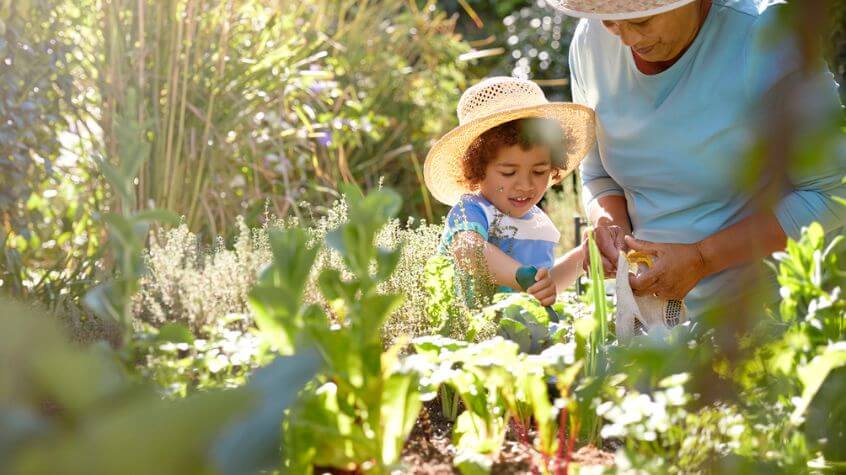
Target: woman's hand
609,241
544,288
676,268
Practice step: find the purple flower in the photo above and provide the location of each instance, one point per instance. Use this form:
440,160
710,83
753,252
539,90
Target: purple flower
325,139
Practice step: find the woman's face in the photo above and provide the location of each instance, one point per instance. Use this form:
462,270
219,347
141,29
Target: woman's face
517,179
660,37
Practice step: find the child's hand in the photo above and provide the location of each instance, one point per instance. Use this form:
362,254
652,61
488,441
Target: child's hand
544,288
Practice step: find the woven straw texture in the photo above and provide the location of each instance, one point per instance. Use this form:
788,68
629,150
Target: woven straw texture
616,9
496,101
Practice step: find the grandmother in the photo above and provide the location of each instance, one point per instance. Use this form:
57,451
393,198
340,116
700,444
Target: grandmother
673,83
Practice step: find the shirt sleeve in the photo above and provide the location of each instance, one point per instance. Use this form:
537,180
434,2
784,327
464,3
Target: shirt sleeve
596,182
813,197
467,215
771,59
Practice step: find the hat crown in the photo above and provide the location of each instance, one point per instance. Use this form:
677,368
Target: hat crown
498,94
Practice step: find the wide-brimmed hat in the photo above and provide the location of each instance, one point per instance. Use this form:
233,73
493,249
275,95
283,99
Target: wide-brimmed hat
493,102
616,9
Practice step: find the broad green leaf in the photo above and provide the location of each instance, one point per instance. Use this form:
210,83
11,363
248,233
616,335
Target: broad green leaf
292,258
399,409
333,287
382,205
437,344
516,332
386,262
251,443
814,373
161,216
335,240
470,462
121,230
143,435
176,333
373,311
482,436
99,301
534,386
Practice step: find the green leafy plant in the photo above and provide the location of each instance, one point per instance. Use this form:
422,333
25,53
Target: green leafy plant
445,311
592,338
181,364
73,410
498,384
779,410
515,316
661,431
520,318
128,227
812,275
359,412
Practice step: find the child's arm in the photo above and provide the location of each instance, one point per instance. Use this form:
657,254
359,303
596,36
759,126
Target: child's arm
501,267
568,267
466,247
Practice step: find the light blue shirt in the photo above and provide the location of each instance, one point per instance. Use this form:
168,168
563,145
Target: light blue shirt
529,240
674,143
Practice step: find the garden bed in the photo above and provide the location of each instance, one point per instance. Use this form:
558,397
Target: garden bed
429,449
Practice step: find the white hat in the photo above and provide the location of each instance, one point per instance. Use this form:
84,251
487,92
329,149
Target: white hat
493,102
616,9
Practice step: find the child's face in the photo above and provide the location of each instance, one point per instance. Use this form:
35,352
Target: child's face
517,179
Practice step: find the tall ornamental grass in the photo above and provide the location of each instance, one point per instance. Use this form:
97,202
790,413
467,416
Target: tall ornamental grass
247,101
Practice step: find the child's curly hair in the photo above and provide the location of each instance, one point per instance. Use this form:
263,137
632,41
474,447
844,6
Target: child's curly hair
529,132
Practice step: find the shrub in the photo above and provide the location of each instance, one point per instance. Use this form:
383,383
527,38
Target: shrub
196,286
188,284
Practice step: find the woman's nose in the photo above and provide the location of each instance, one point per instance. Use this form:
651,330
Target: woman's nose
628,35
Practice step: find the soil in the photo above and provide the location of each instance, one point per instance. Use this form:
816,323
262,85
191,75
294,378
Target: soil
429,449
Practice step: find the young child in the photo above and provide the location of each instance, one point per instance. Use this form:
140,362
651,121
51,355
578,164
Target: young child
510,147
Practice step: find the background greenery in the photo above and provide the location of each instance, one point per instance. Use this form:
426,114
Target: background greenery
240,132
249,108
243,117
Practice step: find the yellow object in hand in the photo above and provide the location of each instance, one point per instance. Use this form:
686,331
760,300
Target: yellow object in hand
637,257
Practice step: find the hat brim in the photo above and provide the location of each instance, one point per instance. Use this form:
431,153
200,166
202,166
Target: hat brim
443,171
620,13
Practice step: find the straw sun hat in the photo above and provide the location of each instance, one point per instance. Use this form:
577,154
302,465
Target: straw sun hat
616,9
493,102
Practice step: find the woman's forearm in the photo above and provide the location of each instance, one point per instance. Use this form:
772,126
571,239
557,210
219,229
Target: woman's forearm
610,210
748,240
